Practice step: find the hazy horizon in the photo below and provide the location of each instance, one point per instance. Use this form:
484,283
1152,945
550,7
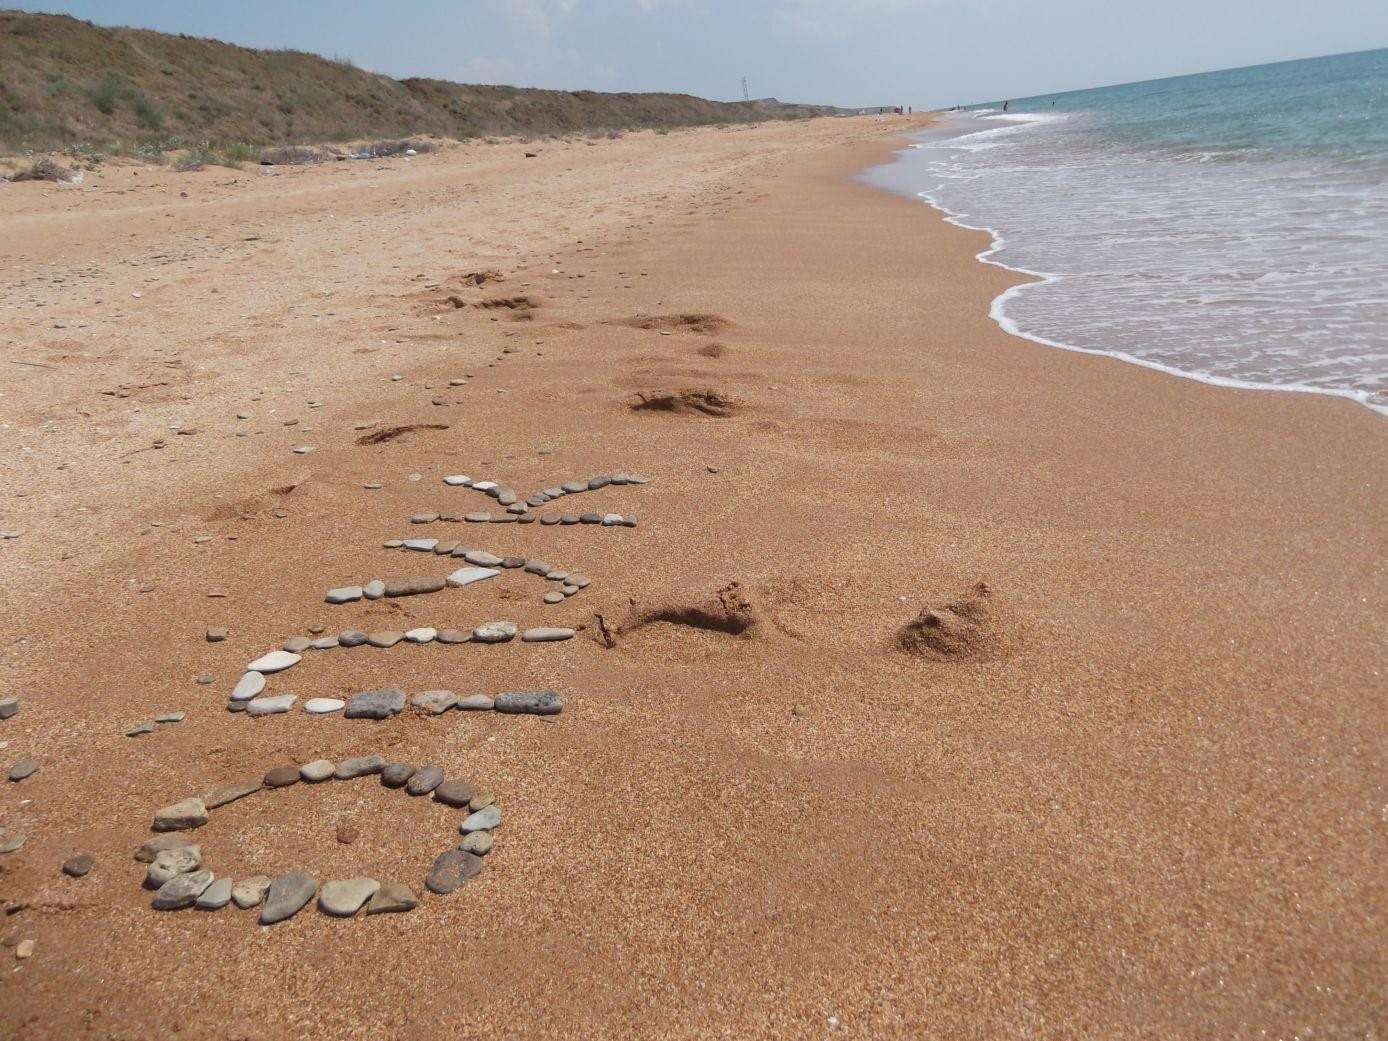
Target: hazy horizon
929,54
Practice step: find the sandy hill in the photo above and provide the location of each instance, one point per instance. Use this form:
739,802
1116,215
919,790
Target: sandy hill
65,82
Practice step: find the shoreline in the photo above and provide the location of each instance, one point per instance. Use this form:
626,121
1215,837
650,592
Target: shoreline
1376,403
1130,793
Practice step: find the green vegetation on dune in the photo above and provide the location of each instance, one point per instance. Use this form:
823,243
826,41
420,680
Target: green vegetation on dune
66,83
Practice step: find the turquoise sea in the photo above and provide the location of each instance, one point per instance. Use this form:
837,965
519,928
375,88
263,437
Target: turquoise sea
1230,226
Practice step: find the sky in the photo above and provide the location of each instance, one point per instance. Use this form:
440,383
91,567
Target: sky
925,53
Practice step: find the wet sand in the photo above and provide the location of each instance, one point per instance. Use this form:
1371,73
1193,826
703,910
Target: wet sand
1135,788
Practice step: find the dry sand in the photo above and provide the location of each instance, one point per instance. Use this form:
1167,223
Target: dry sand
1135,790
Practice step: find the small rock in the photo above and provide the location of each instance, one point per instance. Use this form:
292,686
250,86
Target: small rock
170,862
434,702
482,559
271,706
12,843
216,896
171,717
393,897
344,898
451,870
530,702
547,635
549,598
230,793
8,707
452,636
494,632
457,480
282,776
318,770
359,766
324,643
248,686
396,774
590,518
78,866
23,768
181,891
465,576
24,949
216,635
147,727
275,661
344,594
477,703
323,706
424,518
424,634
376,704
478,843
483,820
414,587
477,518
249,892
352,638
386,639
481,801
286,896
454,792
149,852
421,545
347,834
181,816
424,781
374,590
297,644
572,487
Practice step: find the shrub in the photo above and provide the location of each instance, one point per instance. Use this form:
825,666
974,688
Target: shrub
234,152
291,155
146,111
105,92
194,159
45,169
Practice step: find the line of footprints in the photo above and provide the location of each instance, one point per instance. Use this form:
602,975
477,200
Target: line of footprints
177,873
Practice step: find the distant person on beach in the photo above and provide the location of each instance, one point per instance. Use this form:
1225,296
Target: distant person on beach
1004,106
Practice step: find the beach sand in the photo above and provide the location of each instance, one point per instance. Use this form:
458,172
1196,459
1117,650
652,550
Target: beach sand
1131,786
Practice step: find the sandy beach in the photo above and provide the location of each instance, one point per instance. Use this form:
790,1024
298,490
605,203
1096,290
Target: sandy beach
948,686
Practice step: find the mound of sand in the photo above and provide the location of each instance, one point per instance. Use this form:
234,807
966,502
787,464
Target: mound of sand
727,610
966,629
685,402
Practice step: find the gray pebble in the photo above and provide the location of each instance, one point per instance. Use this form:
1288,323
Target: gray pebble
344,898
424,781
477,518
481,558
297,644
434,701
386,639
374,589
424,518
214,897
171,717
8,707
598,482
23,768
352,638
569,518
318,770
324,643
231,792
476,703
483,820
451,870
551,634
549,519
181,891
344,594
376,704
12,843
396,774
248,686
359,766
287,895
421,545
530,702
478,843
249,892
393,897
494,632
590,518
453,636
551,598
414,587
573,487
537,567
171,862
271,706
216,635
611,519
79,865
455,793
139,729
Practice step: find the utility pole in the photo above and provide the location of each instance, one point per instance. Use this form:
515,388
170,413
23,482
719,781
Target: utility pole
745,95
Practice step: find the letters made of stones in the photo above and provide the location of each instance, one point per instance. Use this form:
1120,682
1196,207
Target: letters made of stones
179,879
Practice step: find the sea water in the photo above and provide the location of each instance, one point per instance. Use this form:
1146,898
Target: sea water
1230,226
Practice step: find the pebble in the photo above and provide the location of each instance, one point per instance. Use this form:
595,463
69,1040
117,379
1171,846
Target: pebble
573,487
249,892
149,851
359,766
181,891
494,632
549,519
582,581
393,897
179,816
568,590
424,781
171,717
483,820
248,686
324,643
352,638
373,486
23,768
477,518
318,770
454,793
611,519
512,562
414,587
434,701
451,870
569,518
216,635
479,843
303,450
482,558
282,776
216,896
424,518
465,576
346,833
275,661
78,866
271,706
344,898
286,896
376,704
537,567
147,727
392,543
477,703
396,774
170,863
481,801
453,636
297,644
590,518
485,486
421,545
204,680
230,793
344,594
549,598
25,949
443,549
457,480
598,482
548,635
386,639
323,706
424,634
530,702
374,589
8,707
12,843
